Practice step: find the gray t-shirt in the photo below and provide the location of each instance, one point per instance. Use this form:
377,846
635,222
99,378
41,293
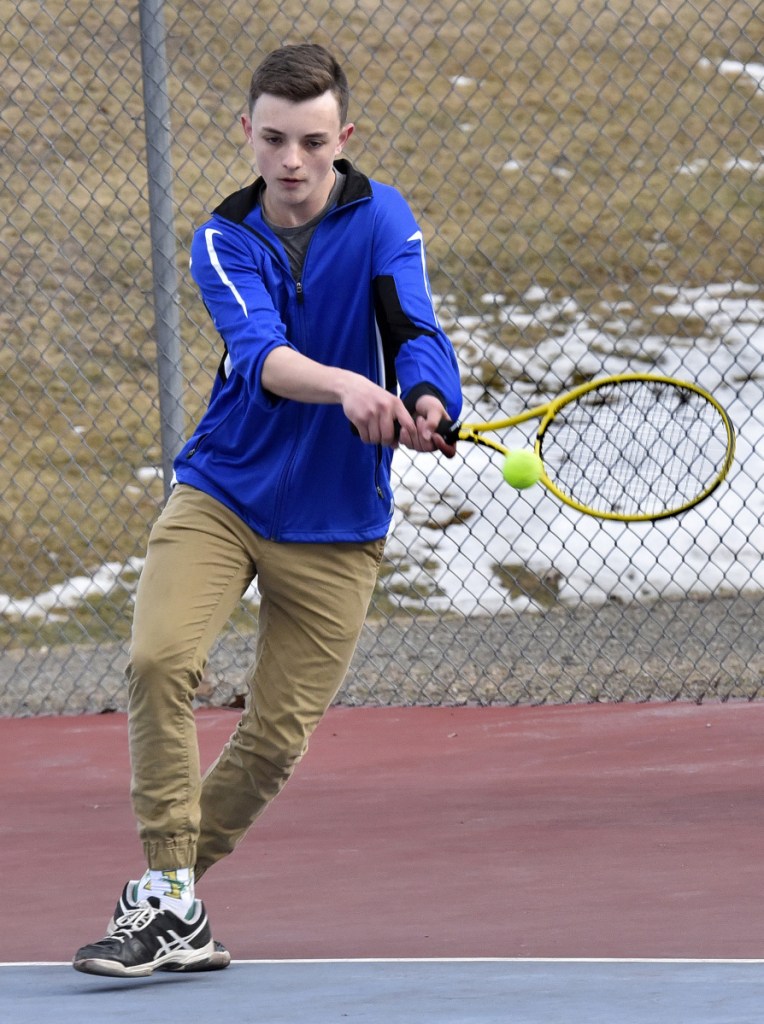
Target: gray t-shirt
296,240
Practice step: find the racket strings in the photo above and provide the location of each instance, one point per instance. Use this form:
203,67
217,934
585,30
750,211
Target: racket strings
635,448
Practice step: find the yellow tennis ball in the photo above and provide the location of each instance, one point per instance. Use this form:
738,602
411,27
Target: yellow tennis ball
522,468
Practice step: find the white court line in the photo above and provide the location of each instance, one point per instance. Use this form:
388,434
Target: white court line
456,960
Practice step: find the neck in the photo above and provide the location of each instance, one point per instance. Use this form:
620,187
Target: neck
294,217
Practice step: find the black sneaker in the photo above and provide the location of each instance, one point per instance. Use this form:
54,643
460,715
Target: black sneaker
147,939
219,959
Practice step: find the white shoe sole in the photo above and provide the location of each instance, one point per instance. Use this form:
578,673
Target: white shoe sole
175,961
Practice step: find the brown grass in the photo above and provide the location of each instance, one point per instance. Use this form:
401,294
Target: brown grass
600,104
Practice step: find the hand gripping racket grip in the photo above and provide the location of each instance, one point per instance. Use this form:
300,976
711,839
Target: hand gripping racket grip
397,428
448,430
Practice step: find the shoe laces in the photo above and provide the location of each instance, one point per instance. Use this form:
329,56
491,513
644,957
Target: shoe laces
135,920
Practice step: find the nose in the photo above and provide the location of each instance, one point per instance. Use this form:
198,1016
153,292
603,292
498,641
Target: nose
291,156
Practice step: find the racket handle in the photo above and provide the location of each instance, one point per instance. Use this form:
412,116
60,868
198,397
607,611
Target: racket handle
449,430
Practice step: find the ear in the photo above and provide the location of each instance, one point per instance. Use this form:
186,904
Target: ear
246,124
344,135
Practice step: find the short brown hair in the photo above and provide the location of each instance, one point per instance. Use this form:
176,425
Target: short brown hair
298,73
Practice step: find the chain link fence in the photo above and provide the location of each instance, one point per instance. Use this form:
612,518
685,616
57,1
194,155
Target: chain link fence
589,175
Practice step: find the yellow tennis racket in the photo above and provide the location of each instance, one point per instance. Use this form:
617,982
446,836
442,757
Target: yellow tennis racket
631,447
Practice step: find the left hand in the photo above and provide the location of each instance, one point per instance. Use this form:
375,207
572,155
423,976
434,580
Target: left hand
429,413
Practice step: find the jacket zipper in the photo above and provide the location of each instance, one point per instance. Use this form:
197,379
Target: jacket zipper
285,474
378,486
286,471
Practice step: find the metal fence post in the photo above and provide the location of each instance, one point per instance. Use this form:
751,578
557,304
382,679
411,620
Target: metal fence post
163,240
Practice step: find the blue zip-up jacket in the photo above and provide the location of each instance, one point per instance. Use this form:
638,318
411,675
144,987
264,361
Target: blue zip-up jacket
294,471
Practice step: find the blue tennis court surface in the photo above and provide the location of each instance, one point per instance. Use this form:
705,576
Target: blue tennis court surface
444,991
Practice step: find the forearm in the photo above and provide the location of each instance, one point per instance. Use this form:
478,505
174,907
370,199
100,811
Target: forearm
289,374
372,410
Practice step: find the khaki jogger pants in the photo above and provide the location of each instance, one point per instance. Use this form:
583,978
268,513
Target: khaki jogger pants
314,598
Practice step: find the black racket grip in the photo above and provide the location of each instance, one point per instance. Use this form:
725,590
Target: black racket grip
449,430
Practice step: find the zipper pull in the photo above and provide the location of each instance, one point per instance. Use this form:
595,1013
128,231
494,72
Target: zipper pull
298,285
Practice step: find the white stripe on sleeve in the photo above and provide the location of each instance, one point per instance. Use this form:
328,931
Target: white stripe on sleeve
418,237
208,235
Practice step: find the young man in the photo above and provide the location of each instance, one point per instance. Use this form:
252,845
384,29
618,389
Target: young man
315,278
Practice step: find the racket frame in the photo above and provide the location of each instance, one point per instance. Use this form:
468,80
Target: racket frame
546,413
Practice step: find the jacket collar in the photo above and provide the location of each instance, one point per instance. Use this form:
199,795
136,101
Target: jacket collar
239,205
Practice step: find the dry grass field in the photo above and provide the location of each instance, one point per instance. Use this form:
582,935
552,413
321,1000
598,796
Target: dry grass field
541,142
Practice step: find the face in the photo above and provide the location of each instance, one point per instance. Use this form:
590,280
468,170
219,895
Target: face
294,146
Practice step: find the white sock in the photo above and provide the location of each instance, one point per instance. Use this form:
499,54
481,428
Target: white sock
174,889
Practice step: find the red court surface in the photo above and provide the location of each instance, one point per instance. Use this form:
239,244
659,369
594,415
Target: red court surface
580,831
